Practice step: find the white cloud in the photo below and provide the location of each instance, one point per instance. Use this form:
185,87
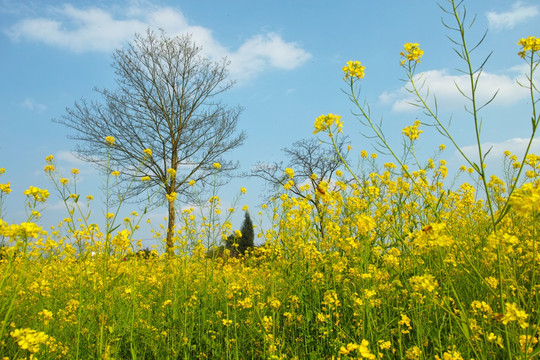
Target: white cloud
69,157
444,87
77,30
32,105
516,146
59,205
94,29
66,161
263,51
507,20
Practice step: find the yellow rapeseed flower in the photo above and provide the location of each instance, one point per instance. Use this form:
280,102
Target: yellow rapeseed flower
145,178
110,140
452,355
413,131
288,185
29,339
46,316
364,351
405,324
425,282
385,345
148,152
527,343
531,43
171,197
216,165
412,53
25,230
5,188
325,122
122,240
274,303
513,313
354,70
39,195
526,200
413,353
289,172
246,303
346,350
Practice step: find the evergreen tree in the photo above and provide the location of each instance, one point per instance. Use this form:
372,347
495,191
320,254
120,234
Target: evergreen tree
248,235
239,244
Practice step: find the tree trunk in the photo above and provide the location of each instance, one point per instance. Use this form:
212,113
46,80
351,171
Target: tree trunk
320,214
170,229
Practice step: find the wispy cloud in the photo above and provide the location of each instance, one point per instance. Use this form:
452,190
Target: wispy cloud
103,30
94,29
32,105
518,14
516,146
68,157
445,87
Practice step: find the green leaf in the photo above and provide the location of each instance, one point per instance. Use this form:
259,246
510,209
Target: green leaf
465,325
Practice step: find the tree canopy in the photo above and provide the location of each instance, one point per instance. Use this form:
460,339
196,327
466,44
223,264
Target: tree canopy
164,114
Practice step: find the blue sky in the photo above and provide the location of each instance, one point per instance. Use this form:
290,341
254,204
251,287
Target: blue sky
286,57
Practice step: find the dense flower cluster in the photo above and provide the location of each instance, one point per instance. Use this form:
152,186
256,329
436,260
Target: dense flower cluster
29,339
5,188
350,251
326,122
412,53
289,172
171,197
110,140
37,194
531,43
413,131
354,70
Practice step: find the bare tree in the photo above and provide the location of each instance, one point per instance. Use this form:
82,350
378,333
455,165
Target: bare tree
305,157
166,101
